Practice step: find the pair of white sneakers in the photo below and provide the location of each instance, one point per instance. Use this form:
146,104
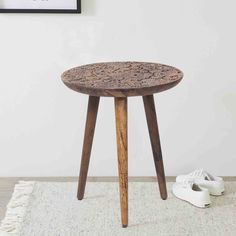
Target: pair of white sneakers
197,186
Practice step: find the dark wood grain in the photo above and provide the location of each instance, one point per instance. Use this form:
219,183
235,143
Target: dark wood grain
87,145
122,79
150,111
122,150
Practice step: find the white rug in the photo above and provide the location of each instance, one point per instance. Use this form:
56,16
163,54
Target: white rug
51,209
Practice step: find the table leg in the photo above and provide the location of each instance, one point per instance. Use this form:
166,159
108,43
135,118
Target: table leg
122,151
93,103
150,111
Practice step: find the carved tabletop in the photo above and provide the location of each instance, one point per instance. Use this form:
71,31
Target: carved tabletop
122,79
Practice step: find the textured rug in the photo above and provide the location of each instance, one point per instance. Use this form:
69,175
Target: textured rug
51,209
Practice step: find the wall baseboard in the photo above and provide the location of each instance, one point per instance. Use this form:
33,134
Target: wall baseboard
98,179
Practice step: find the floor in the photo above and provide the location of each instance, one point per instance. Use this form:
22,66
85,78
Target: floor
7,184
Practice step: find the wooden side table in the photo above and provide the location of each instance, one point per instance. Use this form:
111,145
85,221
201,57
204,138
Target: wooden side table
121,80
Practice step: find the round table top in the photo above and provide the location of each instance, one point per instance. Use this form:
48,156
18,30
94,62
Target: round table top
122,79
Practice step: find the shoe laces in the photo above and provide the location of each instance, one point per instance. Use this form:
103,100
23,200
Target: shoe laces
197,173
187,182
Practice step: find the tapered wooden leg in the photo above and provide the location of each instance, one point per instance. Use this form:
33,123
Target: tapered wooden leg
87,145
150,111
122,151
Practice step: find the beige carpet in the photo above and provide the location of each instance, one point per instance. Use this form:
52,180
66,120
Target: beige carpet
51,209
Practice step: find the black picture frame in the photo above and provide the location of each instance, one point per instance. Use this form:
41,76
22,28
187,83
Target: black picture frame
71,11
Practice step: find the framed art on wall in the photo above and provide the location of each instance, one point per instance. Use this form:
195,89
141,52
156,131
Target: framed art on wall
40,6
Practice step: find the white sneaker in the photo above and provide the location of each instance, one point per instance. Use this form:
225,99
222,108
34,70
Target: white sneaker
192,193
214,184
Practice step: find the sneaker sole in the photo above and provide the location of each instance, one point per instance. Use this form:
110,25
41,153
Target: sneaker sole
204,207
217,195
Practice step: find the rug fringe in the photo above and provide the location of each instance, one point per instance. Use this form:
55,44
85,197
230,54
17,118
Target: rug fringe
16,208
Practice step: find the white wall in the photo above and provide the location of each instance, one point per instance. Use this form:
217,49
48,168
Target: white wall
42,121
